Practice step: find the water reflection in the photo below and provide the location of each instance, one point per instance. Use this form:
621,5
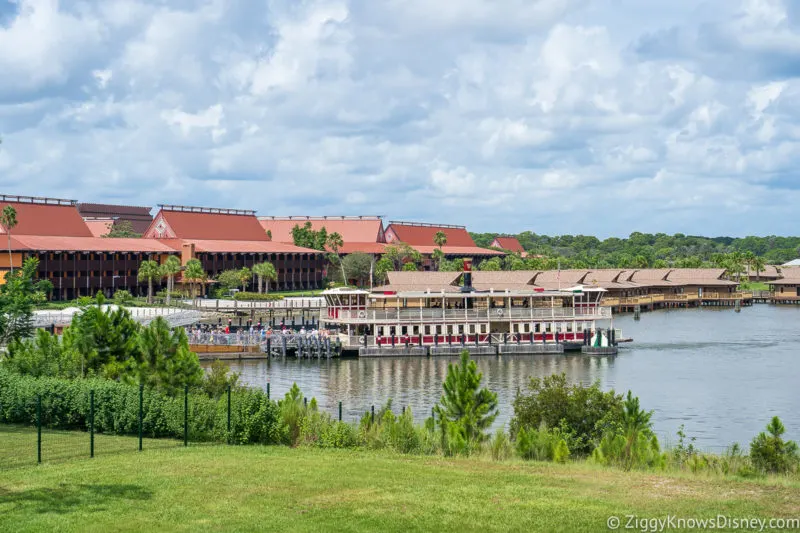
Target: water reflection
722,374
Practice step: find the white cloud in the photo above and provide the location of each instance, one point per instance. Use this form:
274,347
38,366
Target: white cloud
500,114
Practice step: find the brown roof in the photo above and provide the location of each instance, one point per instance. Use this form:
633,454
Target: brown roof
699,276
352,229
138,216
205,225
609,279
47,219
552,279
99,227
508,243
790,276
422,234
363,247
421,282
483,280
770,271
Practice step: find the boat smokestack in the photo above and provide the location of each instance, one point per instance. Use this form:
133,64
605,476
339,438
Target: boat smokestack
467,275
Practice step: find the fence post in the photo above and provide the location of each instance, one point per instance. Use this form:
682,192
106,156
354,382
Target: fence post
340,411
39,429
141,413
91,423
229,414
372,416
267,390
185,415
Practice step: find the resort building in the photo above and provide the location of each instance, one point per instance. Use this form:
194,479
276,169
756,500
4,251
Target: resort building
360,233
102,217
420,236
510,244
787,289
78,263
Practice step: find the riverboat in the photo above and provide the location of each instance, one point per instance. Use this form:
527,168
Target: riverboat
448,315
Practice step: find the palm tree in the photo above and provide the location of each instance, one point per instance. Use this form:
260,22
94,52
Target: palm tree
440,239
8,219
169,269
149,271
758,264
244,276
264,270
335,242
194,274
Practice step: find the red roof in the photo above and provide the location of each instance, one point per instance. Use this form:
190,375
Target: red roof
205,225
99,227
422,234
508,243
87,244
352,229
231,246
457,250
47,219
363,247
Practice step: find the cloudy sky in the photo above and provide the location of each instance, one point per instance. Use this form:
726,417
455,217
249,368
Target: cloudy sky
556,116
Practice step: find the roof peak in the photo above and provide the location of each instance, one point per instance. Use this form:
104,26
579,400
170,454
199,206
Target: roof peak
36,200
207,210
326,217
426,224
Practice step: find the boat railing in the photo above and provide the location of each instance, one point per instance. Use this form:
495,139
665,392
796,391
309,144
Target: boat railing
473,315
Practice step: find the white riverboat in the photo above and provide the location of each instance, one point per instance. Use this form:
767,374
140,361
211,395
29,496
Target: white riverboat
437,309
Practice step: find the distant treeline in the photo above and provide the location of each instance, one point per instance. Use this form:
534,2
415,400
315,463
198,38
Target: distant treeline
660,249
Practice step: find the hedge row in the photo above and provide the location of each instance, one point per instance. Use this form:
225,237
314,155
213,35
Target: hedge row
257,296
65,405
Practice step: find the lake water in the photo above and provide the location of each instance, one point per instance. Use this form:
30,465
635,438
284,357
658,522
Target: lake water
722,374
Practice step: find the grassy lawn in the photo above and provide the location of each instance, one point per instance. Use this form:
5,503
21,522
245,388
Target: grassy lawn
226,488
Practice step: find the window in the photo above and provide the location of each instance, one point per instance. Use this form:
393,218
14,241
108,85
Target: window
427,330
537,328
404,330
569,327
472,329
438,330
415,330
527,328
460,329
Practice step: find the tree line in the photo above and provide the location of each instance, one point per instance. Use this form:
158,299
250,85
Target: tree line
645,250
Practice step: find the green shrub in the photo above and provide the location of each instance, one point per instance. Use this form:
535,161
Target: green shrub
582,413
122,297
65,405
537,444
500,446
770,453
248,296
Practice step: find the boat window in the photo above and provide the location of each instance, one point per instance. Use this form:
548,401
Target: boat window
438,330
427,330
527,328
392,331
483,328
472,328
460,329
404,330
569,327
537,328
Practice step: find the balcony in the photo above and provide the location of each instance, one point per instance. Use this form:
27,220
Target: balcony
461,316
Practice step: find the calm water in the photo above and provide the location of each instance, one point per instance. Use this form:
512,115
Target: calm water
722,374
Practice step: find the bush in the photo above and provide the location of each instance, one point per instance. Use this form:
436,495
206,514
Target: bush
122,297
250,296
65,405
500,446
582,413
770,453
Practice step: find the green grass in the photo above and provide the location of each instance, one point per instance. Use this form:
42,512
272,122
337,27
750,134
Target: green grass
755,286
254,488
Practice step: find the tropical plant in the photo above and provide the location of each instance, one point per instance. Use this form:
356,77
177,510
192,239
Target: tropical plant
8,219
583,413
219,379
439,239
245,275
122,229
410,267
17,297
465,411
358,265
335,242
383,266
306,237
230,279
149,271
770,453
492,264
194,274
265,271
169,269
163,359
